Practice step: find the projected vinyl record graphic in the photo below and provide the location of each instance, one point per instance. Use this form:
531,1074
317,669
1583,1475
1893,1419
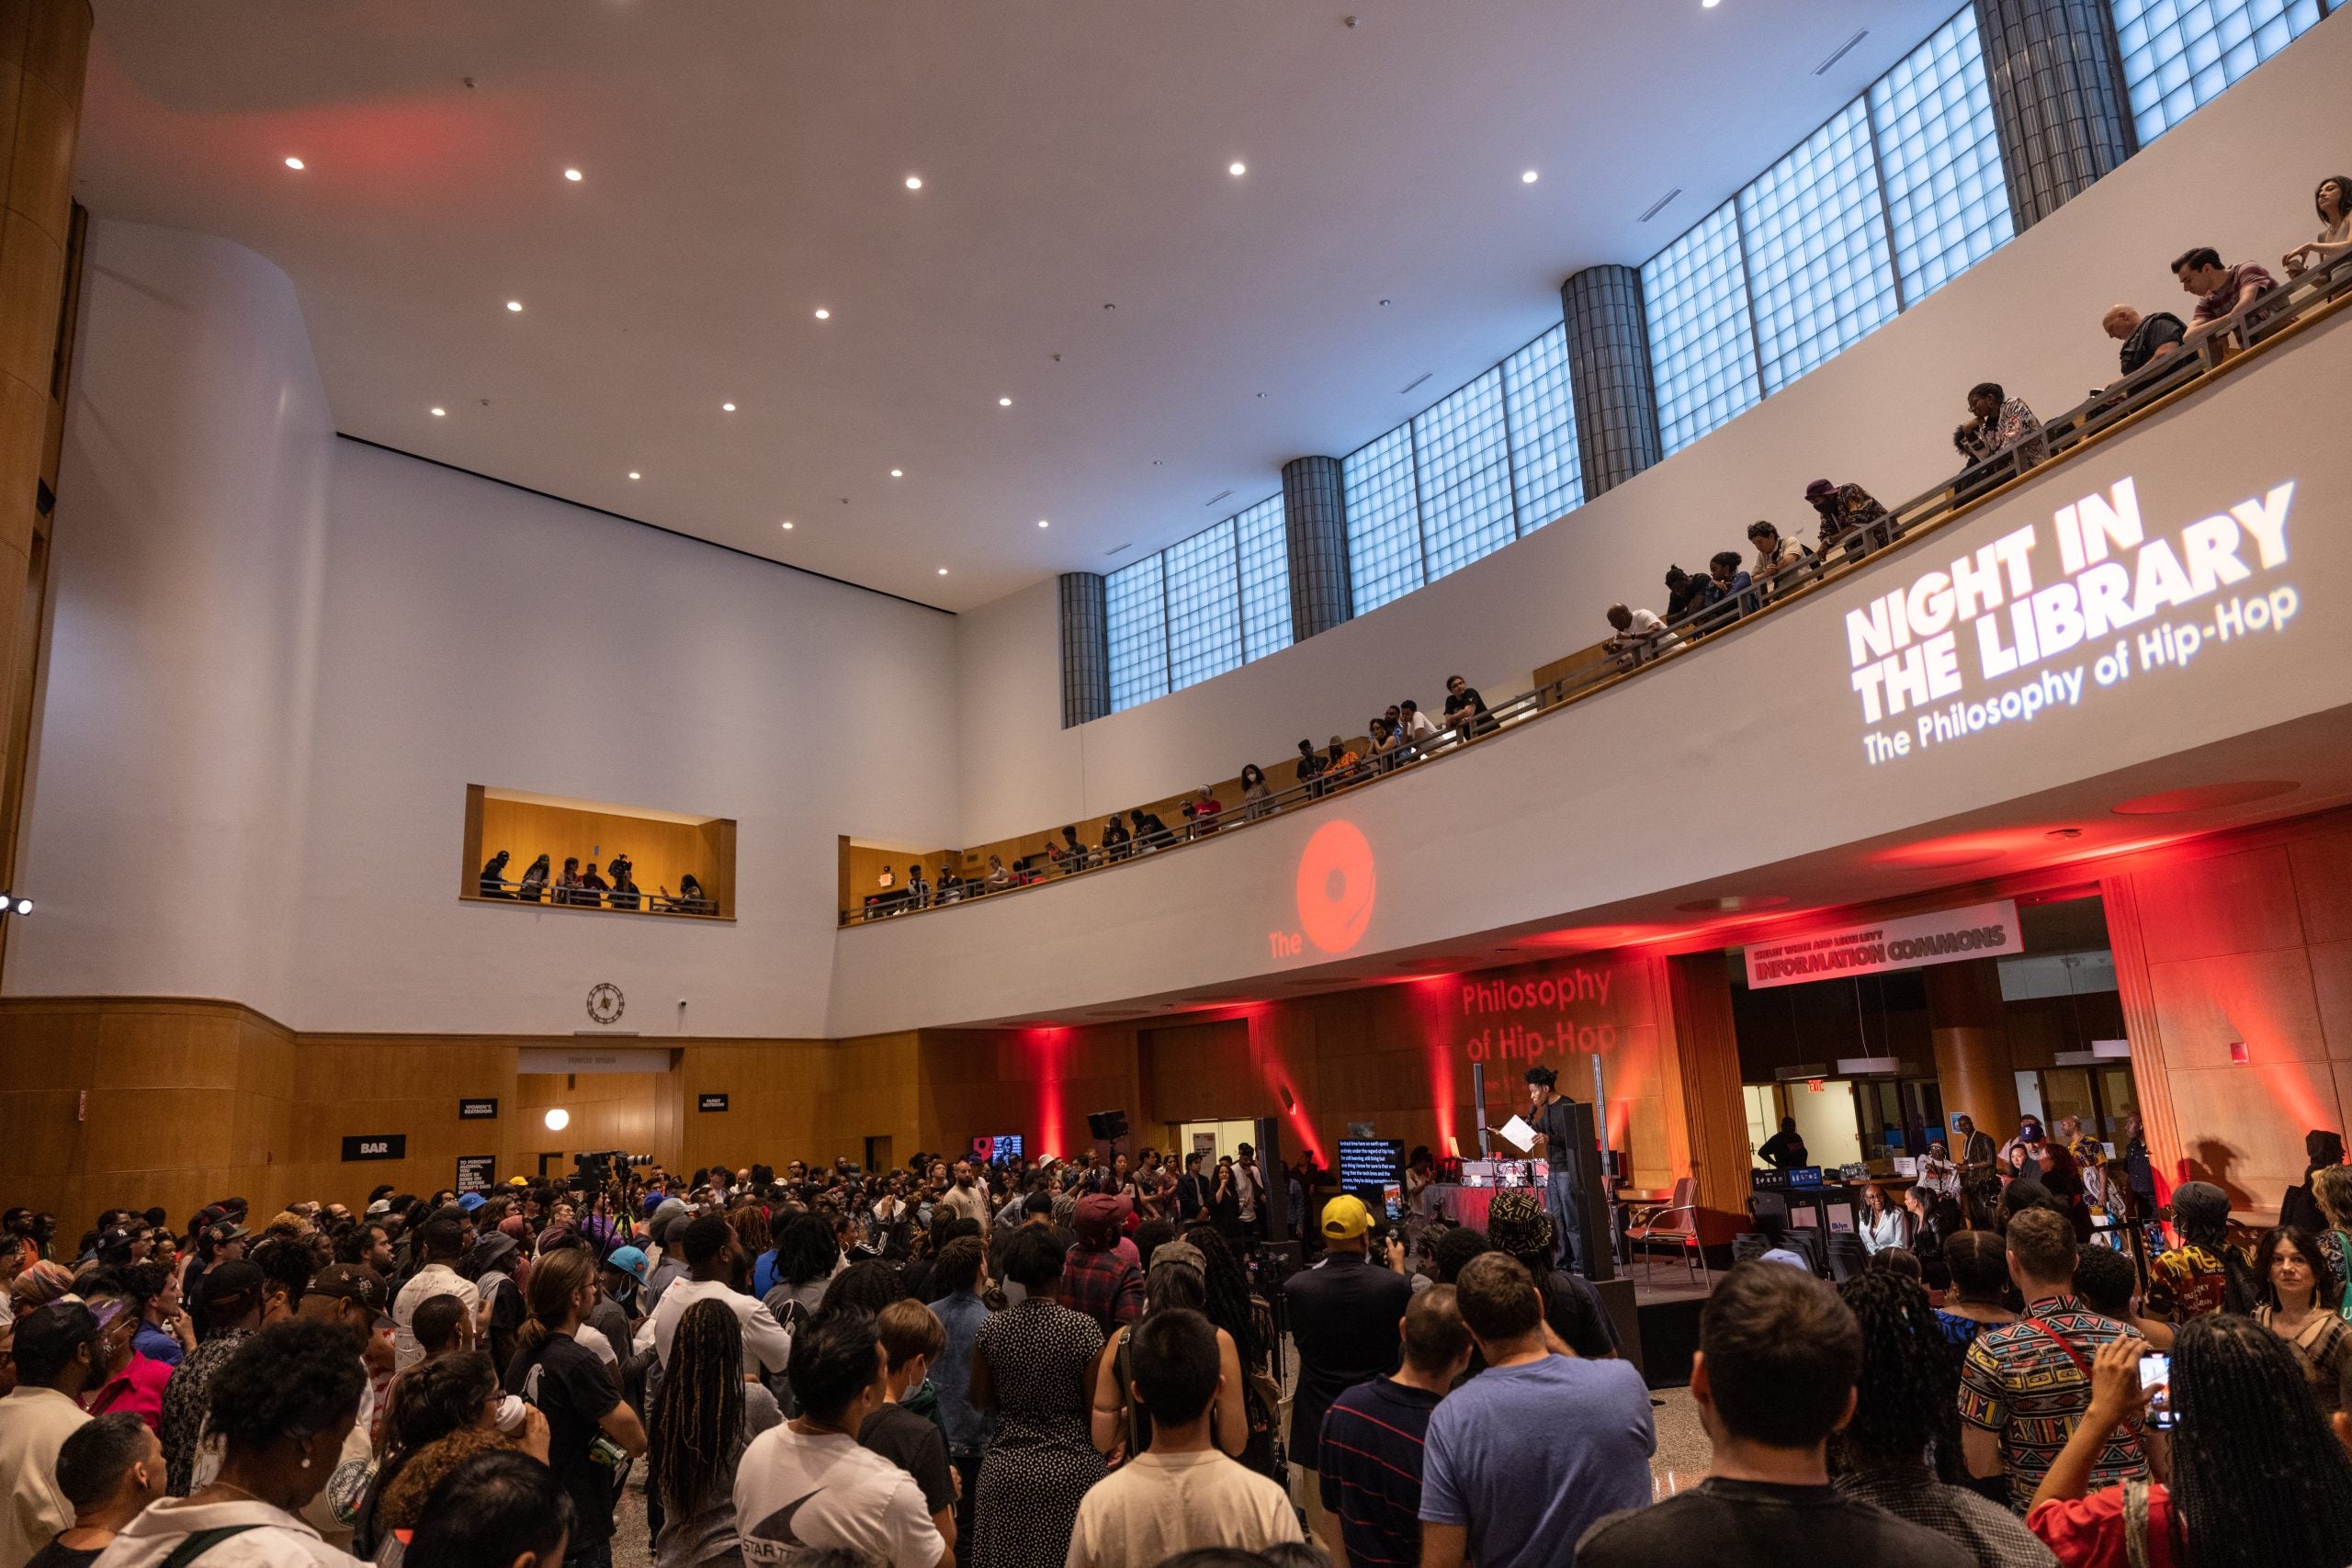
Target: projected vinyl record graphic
1335,887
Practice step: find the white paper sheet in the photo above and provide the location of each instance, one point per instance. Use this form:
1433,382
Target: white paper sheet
1517,1134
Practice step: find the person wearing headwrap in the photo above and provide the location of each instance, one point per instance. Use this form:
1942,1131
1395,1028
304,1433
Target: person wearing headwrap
1548,1113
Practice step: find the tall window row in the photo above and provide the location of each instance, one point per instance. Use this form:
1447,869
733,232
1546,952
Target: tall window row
1490,462
1900,192
2179,54
1199,608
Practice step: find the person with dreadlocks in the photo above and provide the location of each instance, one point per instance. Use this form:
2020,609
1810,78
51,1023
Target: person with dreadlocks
1906,1423
2257,1482
1230,1306
706,1414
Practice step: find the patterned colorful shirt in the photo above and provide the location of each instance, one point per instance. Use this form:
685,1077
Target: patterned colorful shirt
1105,1286
2019,1382
186,1400
1850,507
2187,1282
2013,425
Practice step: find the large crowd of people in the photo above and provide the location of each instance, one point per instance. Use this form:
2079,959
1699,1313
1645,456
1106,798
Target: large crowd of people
1083,1362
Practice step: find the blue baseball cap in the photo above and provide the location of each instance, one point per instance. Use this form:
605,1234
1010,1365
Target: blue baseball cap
469,1201
629,1261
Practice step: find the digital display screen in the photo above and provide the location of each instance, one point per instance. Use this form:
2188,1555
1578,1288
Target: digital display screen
1371,1168
997,1148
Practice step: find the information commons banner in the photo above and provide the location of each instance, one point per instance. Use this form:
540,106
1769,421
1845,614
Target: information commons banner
1980,930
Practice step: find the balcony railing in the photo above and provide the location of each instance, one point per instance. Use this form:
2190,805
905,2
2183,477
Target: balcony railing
2287,311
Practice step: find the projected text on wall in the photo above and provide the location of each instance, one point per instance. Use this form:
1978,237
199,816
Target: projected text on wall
2040,622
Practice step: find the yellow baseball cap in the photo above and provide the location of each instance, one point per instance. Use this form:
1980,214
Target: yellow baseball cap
1345,1218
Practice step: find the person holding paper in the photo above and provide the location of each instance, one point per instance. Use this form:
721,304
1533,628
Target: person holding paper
1547,1120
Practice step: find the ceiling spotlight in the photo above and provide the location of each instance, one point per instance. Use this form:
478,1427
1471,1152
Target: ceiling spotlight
898,473
1528,179
514,304
21,906
727,407
1004,402
943,571
1236,169
635,474
1709,5
1042,523
440,414
293,163
558,1119
572,174
787,525
914,182
823,314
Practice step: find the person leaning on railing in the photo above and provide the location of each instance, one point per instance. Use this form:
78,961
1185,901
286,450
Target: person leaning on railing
2221,292
1776,555
1845,511
2332,202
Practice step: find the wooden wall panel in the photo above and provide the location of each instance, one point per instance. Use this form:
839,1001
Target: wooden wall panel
1706,1058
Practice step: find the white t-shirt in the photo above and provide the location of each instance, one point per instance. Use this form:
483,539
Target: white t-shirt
1160,1505
280,1542
595,1339
765,1344
433,1280
794,1493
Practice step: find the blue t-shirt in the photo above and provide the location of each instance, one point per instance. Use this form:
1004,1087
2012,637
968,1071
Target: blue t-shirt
1529,1456
764,1273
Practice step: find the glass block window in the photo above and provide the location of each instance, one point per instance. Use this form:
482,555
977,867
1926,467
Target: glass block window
2179,54
1464,462
1701,356
1940,157
1814,230
1203,607
1136,606
1383,520
1547,471
1265,549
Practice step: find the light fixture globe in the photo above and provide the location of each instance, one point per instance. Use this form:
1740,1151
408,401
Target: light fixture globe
558,1119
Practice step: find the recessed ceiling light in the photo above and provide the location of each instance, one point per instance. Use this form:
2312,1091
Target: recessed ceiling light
787,525
635,474
514,304
1042,523
572,174
914,182
293,163
727,407
440,414
943,571
1004,402
823,314
1709,5
898,473
1236,168
1528,179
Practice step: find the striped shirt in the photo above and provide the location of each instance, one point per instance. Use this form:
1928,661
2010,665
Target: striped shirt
1371,1469
2020,1382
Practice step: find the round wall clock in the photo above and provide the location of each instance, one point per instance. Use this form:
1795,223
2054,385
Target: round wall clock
604,1002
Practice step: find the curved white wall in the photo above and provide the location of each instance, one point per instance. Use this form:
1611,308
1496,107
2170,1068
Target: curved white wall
279,658
2237,175
164,838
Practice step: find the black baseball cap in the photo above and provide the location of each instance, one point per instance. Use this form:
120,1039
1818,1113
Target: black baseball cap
351,1282
235,1282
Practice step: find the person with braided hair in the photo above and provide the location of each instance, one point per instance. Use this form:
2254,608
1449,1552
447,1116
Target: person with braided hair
281,1404
2257,1480
706,1417
1906,1423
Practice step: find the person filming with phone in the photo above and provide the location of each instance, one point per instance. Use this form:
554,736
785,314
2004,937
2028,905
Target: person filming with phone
2256,1477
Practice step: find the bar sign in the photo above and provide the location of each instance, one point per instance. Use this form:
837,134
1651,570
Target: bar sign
378,1145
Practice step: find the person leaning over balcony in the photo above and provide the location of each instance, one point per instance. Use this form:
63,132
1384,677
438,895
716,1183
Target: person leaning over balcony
1204,808
1076,856
1845,510
2221,290
1115,839
1464,707
1257,800
1728,583
1996,423
1152,833
493,877
1341,763
2332,201
567,885
1636,628
1417,728
2145,338
1685,592
592,888
1776,554
535,882
1383,745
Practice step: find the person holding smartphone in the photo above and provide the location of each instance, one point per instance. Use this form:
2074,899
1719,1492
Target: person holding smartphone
2256,1477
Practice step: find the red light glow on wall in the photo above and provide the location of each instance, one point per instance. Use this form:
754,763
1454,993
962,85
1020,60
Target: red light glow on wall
1051,1051
1336,884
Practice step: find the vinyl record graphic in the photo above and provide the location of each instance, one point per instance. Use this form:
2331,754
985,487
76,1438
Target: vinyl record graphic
1335,887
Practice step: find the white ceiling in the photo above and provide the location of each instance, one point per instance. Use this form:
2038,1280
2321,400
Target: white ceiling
744,164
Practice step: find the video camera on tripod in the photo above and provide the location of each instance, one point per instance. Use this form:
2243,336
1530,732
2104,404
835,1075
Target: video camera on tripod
591,1172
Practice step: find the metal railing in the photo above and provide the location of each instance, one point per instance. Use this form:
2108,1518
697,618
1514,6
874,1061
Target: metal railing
2296,304
628,900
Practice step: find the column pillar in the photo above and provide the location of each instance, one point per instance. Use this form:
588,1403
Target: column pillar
1086,649
1314,524
44,46
1608,371
1706,1050
2059,102
1972,1041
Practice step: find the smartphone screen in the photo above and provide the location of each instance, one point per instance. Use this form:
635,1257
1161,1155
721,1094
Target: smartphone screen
2155,1376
